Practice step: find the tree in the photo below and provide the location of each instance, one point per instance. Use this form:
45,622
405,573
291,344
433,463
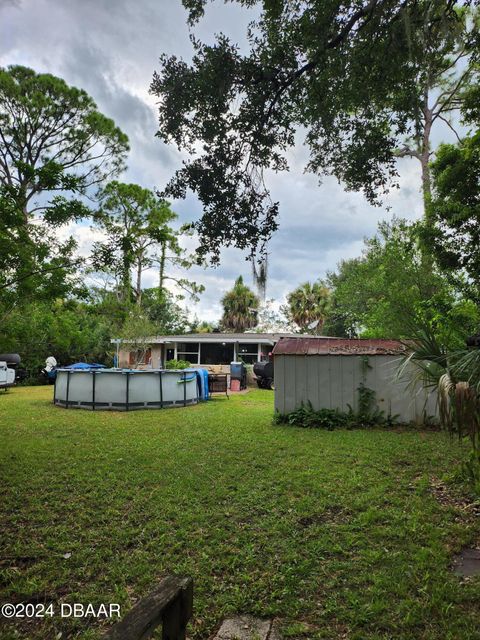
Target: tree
307,306
170,253
135,222
271,321
353,77
455,211
54,146
137,332
165,312
201,326
71,330
445,69
391,292
240,307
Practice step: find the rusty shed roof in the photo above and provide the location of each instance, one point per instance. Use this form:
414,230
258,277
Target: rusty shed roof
337,347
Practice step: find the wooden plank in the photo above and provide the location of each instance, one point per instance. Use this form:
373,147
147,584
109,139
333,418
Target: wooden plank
170,603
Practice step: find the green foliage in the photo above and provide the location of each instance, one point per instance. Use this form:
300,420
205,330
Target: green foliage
137,332
306,417
69,330
471,471
367,415
393,291
240,308
308,306
177,364
455,376
455,211
201,326
355,79
80,330
54,146
164,312
138,236
133,220
271,321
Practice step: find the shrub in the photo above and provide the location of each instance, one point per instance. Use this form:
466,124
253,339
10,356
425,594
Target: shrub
306,416
177,364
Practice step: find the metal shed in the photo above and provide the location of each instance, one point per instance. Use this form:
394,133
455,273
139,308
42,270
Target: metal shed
328,372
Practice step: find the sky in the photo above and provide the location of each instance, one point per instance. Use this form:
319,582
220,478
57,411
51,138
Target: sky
111,48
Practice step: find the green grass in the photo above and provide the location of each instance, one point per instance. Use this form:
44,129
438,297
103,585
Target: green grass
337,533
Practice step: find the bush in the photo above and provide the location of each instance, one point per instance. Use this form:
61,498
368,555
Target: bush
178,364
306,417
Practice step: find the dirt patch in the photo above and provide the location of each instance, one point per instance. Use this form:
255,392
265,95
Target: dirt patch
333,514
468,510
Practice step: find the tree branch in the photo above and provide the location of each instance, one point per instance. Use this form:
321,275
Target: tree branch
40,272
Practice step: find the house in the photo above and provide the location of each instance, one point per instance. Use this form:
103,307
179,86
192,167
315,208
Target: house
216,350
329,372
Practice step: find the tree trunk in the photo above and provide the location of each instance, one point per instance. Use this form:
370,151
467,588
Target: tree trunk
161,271
425,157
138,287
126,283
425,162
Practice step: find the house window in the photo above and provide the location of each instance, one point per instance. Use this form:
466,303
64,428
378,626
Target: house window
265,352
217,353
140,356
188,351
248,353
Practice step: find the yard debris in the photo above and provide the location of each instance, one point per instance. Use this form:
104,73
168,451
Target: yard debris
466,563
448,498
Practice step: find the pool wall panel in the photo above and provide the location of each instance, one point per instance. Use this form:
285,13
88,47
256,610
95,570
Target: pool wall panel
125,390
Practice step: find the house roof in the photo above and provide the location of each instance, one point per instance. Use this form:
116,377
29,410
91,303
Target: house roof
253,338
312,346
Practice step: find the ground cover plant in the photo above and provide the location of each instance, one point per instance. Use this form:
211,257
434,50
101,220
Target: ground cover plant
341,534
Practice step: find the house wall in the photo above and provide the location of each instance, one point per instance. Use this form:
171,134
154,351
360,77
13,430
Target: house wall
157,357
331,382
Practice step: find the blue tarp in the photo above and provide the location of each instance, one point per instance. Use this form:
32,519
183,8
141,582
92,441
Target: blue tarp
85,365
202,382
78,366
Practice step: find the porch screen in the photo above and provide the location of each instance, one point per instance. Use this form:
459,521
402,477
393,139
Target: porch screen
216,353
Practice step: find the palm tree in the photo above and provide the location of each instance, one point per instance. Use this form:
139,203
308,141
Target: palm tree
308,305
240,307
455,376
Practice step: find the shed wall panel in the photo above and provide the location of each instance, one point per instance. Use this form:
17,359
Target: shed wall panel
335,367
323,376
312,387
280,381
332,381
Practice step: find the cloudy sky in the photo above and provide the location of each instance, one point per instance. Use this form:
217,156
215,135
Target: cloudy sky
110,48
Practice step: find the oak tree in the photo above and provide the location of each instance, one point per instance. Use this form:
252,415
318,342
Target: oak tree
354,79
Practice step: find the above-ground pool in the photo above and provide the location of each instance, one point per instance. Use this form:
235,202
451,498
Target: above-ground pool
126,389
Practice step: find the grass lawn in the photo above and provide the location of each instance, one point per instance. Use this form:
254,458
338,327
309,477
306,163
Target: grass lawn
337,533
